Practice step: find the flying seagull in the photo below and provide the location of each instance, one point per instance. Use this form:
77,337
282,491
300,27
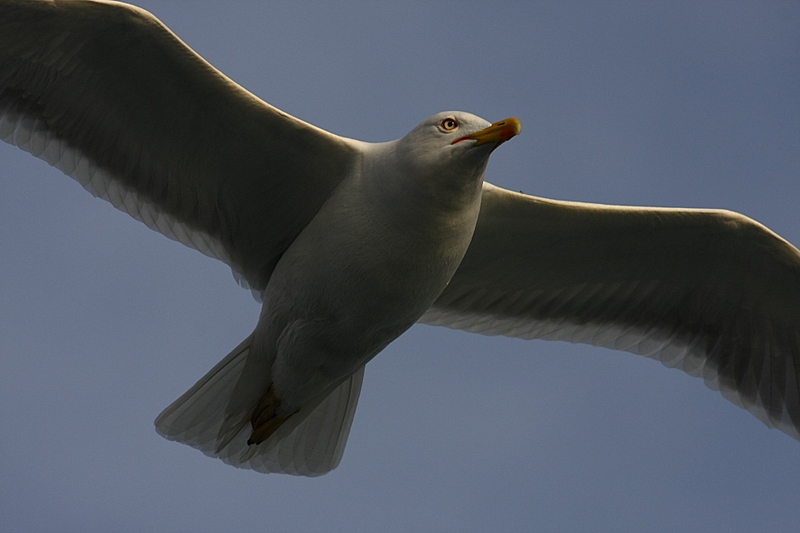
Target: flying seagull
349,243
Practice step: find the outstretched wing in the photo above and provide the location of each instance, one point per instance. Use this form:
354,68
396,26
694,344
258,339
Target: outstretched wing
711,292
109,95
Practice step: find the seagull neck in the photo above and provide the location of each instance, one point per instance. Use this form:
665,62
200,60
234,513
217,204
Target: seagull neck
423,194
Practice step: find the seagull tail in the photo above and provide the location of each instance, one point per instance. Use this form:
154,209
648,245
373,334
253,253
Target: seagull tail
310,443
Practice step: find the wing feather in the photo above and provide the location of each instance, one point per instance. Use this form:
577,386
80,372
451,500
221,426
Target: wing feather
710,292
110,96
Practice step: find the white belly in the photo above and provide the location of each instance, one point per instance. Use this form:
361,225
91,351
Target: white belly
355,279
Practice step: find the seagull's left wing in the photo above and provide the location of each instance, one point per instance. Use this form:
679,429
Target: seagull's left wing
110,96
711,292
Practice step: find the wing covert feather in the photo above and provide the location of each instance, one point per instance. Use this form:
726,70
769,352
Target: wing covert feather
108,94
711,292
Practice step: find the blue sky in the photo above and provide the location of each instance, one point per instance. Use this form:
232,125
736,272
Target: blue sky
103,322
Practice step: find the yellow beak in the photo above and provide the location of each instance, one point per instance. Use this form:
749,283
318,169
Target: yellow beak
497,132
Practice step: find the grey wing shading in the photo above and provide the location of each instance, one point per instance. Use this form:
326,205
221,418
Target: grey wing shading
110,96
710,292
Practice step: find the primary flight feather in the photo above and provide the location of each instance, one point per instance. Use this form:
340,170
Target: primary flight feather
349,243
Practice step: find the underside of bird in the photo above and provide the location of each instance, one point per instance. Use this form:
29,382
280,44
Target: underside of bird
309,442
107,94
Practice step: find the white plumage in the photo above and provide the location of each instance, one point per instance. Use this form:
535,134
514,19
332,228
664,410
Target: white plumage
324,226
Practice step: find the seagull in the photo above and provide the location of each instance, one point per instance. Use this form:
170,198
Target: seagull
349,243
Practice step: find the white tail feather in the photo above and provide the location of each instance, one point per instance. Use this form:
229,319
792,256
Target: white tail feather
310,443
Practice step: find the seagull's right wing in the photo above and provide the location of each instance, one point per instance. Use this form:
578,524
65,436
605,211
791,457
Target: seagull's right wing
711,292
110,96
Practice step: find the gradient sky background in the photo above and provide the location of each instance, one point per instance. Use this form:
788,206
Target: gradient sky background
103,322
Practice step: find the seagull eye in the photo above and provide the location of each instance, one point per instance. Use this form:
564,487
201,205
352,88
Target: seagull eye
449,124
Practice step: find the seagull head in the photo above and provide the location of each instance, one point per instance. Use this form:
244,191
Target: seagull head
455,142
